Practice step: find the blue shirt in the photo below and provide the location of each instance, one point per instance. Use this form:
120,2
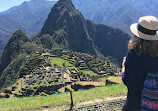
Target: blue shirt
136,69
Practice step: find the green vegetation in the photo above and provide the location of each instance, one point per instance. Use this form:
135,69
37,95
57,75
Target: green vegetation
66,62
78,36
86,71
103,79
93,63
11,72
117,79
61,62
21,65
13,48
20,59
61,99
19,47
34,62
31,47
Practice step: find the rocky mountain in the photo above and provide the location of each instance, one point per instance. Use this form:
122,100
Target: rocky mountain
66,27
29,16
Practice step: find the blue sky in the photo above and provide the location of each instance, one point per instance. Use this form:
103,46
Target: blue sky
6,4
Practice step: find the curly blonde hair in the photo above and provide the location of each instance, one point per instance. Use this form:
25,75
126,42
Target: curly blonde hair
142,46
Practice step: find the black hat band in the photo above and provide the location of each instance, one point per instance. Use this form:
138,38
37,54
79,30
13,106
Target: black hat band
146,31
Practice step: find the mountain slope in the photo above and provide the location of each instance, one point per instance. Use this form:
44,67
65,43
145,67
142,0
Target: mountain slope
116,13
33,15
16,51
13,47
29,16
19,43
110,41
7,25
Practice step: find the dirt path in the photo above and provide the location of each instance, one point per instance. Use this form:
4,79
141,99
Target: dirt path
99,100
91,103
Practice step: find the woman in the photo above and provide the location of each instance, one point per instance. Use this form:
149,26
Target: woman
141,58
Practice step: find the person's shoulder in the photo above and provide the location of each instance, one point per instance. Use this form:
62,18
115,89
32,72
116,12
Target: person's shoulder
131,52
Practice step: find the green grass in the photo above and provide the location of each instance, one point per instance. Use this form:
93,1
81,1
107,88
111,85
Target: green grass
60,61
61,99
94,63
103,79
88,72
117,79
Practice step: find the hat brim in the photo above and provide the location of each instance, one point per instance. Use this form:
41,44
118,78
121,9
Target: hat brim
135,31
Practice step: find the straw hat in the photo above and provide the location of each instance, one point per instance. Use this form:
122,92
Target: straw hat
146,28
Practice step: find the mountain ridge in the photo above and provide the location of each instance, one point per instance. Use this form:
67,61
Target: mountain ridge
116,13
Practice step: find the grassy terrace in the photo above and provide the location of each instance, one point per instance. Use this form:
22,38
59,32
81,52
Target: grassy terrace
103,78
27,103
60,62
117,79
88,72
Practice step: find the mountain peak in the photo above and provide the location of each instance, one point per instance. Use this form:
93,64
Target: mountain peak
13,47
59,16
66,26
18,34
65,2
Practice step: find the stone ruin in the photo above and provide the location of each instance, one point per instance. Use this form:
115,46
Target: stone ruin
53,77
